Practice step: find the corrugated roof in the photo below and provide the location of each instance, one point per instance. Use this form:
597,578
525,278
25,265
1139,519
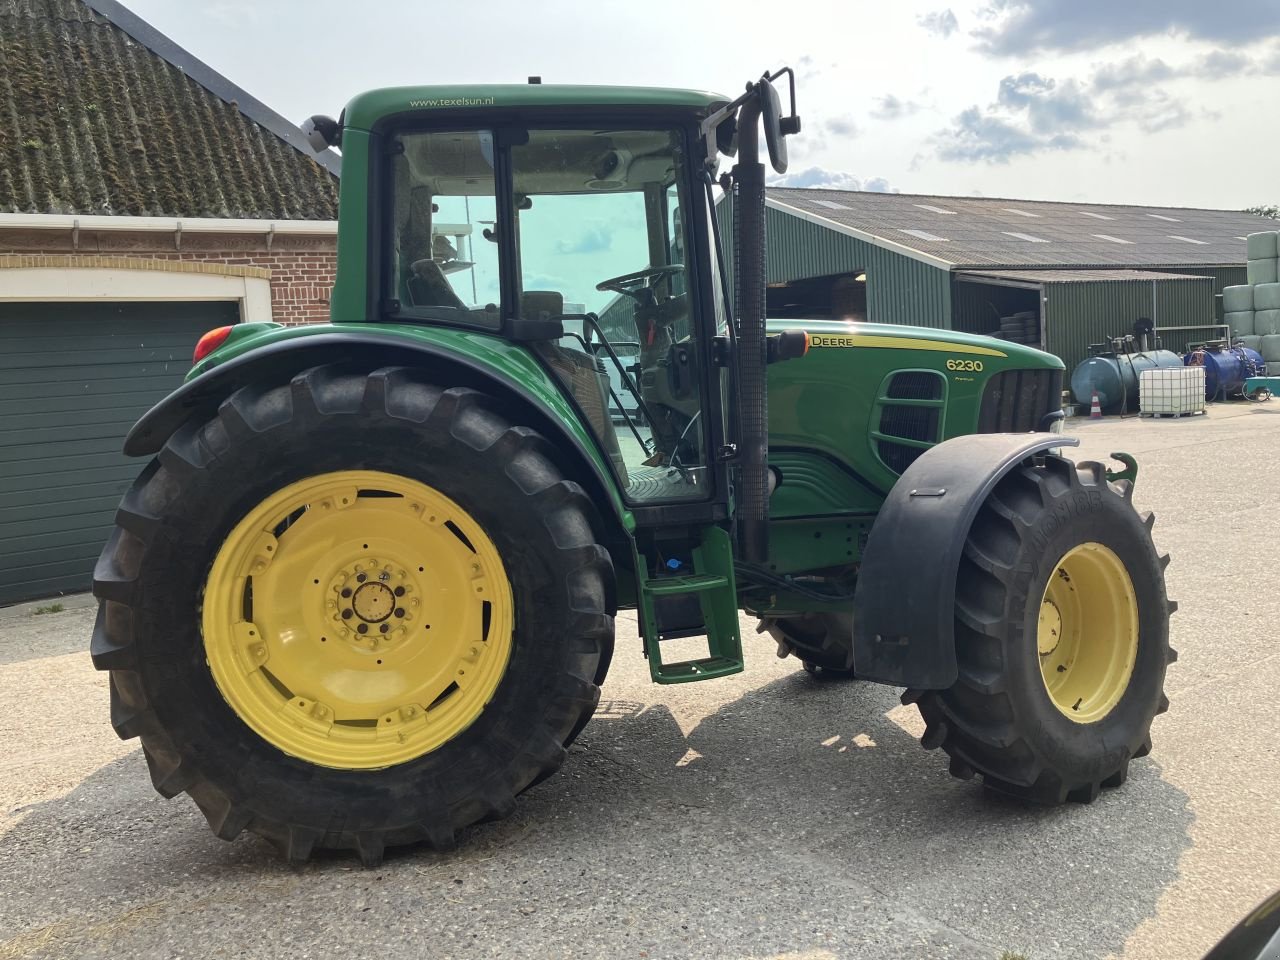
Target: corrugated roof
95,122
1075,276
989,232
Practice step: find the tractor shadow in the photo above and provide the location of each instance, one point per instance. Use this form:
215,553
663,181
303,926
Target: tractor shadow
801,798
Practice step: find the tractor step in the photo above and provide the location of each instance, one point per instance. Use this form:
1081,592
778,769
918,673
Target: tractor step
711,586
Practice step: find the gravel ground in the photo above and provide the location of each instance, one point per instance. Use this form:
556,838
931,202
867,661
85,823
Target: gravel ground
766,815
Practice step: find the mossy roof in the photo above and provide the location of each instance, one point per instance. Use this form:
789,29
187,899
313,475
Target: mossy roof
93,121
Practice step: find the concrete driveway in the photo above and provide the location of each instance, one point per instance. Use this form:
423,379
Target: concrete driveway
767,815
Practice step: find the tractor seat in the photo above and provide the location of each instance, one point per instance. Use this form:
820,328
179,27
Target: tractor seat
429,288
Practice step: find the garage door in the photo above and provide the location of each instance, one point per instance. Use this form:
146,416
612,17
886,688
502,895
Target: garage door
73,379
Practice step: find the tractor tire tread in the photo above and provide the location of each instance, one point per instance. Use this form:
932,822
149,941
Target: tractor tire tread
571,526
976,721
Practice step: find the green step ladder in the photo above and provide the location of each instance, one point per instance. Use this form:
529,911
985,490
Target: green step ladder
713,584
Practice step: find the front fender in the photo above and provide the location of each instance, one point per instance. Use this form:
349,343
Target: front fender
461,358
903,623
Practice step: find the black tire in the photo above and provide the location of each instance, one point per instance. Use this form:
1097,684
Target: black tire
150,579
823,642
998,720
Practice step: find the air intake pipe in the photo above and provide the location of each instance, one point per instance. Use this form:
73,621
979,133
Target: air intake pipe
749,301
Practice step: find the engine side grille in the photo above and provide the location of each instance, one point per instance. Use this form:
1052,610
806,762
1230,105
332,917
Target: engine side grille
916,417
1016,401
915,385
898,457
910,423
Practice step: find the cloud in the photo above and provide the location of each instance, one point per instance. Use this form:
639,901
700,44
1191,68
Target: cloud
1033,113
1139,73
941,23
976,136
596,238
1049,106
890,107
841,127
819,178
1019,27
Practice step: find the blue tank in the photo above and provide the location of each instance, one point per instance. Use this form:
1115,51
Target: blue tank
1225,369
1115,377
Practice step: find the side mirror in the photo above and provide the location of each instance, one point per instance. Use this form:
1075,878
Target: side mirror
771,116
321,132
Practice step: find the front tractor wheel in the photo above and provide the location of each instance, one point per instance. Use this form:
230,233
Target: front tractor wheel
823,642
1062,637
353,611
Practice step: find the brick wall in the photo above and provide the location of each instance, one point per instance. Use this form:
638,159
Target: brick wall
302,268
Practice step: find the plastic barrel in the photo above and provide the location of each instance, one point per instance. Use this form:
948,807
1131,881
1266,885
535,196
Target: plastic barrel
1225,370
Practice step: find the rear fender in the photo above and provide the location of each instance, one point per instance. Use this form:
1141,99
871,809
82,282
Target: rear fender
903,623
534,398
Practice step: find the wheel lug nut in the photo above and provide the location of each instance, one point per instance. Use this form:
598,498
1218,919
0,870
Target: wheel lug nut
384,628
346,591
399,591
346,614
361,577
362,628
399,611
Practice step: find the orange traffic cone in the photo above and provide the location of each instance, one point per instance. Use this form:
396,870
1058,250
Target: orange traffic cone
1095,408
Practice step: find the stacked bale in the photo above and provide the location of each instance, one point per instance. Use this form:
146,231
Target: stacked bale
1253,309
1266,306
1237,303
1263,251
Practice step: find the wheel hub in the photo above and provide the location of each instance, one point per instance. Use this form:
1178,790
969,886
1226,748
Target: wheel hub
373,603
328,636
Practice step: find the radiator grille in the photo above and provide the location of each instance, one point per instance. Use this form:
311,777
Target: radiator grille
1016,401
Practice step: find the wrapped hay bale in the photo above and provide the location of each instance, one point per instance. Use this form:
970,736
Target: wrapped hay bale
1262,271
1242,324
1263,245
1270,349
1266,296
1266,323
1252,342
1237,299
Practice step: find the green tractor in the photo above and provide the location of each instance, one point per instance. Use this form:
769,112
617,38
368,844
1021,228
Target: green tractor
363,594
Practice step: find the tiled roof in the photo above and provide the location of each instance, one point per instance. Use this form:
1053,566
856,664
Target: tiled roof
985,232
94,122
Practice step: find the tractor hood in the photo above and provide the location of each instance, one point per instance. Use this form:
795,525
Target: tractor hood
843,334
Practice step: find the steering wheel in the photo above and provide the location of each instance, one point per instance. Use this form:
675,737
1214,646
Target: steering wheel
631,284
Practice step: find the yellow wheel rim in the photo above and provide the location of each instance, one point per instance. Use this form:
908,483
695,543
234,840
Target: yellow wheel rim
358,619
1087,637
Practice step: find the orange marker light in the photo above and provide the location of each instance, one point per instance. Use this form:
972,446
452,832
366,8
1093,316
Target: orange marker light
210,342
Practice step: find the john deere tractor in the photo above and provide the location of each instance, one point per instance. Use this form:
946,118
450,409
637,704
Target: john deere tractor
363,593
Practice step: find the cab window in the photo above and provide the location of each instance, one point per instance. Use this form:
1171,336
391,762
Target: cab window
601,244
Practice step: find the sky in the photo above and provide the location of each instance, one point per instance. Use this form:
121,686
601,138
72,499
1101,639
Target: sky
1162,102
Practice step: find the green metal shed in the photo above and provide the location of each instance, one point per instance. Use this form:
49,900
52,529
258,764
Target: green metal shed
1089,271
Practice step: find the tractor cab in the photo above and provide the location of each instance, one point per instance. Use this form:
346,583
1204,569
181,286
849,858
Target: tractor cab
582,243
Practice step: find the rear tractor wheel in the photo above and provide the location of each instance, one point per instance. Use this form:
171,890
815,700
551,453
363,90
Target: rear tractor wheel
1062,637
353,611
